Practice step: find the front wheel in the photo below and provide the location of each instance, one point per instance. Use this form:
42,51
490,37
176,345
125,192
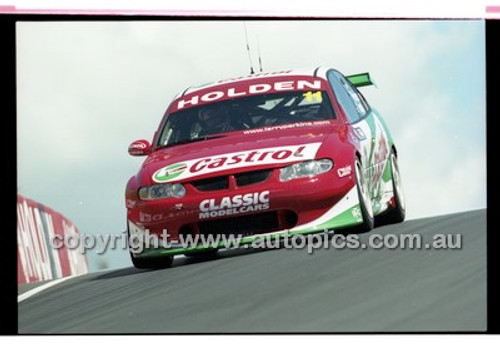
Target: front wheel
152,263
148,263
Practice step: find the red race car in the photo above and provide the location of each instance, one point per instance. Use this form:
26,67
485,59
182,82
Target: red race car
290,152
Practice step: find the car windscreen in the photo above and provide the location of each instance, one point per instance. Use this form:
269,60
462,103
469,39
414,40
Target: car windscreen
201,122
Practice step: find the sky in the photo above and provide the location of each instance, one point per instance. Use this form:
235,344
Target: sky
86,90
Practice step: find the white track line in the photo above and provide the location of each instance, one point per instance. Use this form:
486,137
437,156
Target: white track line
47,285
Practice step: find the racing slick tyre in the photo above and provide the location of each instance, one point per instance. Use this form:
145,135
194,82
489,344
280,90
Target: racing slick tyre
397,213
152,263
149,263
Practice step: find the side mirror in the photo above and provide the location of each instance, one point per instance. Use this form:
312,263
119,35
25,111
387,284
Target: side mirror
139,148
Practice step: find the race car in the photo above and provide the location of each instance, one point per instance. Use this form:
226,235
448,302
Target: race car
291,152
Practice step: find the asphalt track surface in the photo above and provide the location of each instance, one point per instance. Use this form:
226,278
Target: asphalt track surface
284,290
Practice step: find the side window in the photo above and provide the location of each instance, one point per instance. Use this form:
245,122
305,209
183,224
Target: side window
363,99
351,102
360,107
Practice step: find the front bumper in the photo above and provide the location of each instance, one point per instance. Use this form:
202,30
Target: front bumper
299,206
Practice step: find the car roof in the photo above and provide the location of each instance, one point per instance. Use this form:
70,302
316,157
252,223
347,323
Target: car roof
309,72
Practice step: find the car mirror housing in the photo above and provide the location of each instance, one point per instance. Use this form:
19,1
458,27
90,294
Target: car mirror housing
139,148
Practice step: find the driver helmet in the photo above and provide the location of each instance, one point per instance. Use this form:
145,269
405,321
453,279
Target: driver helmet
214,118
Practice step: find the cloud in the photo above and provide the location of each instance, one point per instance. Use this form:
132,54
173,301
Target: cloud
442,172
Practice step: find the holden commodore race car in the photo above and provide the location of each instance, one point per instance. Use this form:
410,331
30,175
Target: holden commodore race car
295,152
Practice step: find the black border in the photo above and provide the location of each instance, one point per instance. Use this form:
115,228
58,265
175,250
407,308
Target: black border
492,114
8,256
8,321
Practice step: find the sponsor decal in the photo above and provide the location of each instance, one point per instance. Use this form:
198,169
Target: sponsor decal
356,212
359,133
138,145
381,152
252,89
244,159
233,205
286,126
242,78
253,76
345,171
146,218
169,173
178,206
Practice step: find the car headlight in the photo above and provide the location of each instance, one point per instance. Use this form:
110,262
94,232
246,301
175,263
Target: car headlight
305,169
162,191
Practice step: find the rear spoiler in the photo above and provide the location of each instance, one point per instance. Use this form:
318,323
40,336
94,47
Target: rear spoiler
362,79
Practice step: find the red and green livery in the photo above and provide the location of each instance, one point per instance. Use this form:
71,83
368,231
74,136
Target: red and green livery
296,151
